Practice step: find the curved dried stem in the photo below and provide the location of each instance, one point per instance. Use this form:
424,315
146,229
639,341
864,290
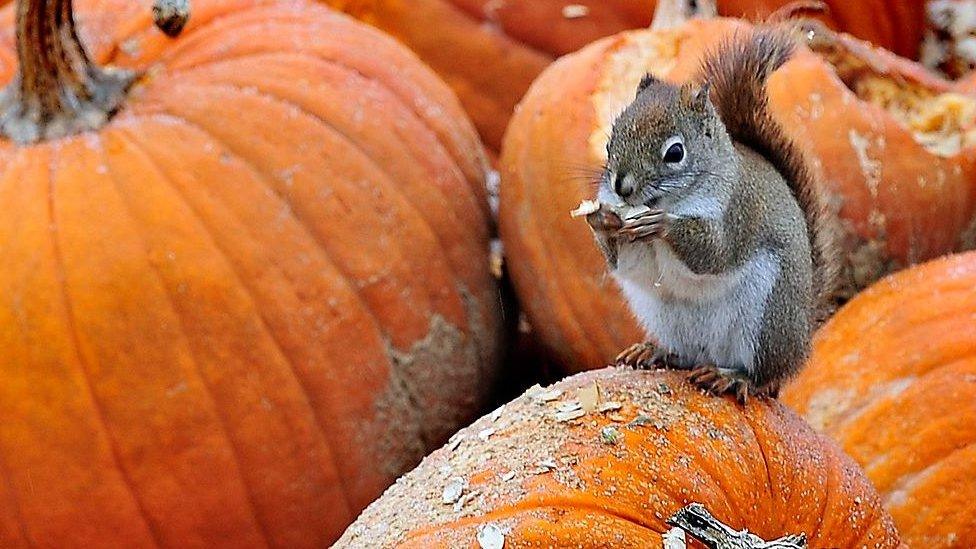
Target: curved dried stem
58,91
701,525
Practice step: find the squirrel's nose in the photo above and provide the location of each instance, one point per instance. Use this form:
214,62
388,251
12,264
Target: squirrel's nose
623,185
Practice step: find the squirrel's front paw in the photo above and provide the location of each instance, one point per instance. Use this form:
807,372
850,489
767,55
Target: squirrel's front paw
605,220
649,224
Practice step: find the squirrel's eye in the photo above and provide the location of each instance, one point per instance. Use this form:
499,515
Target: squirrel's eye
675,153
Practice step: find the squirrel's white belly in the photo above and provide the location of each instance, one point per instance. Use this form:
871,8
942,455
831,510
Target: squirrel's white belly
706,318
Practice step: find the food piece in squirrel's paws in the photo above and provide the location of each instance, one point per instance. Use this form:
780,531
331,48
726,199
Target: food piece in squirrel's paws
585,208
628,212
625,211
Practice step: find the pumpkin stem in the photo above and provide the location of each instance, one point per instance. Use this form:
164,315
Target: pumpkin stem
670,14
701,525
170,16
58,91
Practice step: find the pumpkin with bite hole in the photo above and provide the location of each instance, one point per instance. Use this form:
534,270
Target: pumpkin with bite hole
604,458
892,378
245,274
893,145
491,51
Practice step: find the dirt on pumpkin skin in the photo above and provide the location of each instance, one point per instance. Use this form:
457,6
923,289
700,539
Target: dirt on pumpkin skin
423,405
544,444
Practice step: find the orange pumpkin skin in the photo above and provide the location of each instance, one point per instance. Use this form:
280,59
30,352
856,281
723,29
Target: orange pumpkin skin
234,314
490,52
892,378
898,203
758,467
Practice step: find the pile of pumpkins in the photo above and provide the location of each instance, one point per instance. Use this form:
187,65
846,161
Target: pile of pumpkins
246,282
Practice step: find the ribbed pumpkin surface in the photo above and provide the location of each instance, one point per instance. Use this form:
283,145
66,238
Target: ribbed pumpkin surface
611,478
232,316
893,379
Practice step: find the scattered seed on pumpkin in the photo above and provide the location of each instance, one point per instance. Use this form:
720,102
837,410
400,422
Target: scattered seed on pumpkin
485,434
453,490
465,499
610,406
455,442
496,415
549,396
569,415
569,406
508,476
491,536
675,539
640,421
589,397
547,463
575,11
610,435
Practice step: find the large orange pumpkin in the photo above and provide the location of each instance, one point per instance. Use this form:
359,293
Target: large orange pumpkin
892,378
641,446
894,147
490,51
235,311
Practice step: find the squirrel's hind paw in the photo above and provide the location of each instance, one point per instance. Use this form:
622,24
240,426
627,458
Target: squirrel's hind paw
648,356
720,381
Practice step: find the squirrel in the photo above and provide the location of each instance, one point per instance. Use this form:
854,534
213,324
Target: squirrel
712,224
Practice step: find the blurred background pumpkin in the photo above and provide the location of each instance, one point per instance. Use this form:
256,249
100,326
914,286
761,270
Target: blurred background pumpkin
232,312
604,458
490,51
893,143
892,378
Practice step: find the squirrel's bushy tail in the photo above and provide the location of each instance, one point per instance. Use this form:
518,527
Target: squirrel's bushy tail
737,72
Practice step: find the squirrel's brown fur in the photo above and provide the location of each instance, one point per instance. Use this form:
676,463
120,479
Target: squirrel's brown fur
737,72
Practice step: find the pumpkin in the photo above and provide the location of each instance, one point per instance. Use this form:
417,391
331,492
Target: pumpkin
244,286
892,144
491,51
637,448
892,378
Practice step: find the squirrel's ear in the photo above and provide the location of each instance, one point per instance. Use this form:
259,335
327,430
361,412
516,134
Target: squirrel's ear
694,96
646,82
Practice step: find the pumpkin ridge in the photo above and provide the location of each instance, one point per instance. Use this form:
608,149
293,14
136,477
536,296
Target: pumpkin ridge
448,139
919,387
425,239
536,502
269,177
581,336
191,351
353,70
912,478
870,400
389,179
264,178
729,512
82,363
765,459
456,214
319,423
550,250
